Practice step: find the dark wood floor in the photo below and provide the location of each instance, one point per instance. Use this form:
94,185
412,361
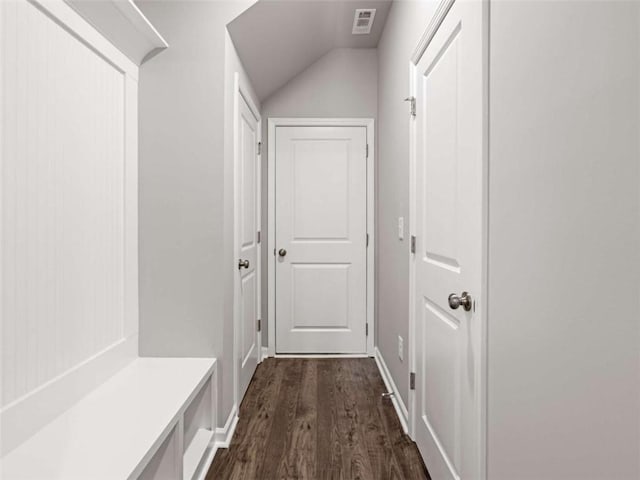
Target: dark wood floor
318,419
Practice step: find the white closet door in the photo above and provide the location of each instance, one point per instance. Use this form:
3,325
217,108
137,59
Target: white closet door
321,218
448,259
248,180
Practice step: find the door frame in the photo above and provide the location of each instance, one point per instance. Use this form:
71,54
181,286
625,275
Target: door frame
482,298
369,124
242,92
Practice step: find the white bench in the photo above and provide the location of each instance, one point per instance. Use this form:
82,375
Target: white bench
154,419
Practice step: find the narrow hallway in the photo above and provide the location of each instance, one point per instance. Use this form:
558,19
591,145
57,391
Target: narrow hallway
318,418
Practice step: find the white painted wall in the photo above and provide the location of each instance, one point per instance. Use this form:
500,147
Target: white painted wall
406,22
186,201
288,46
68,236
564,257
343,83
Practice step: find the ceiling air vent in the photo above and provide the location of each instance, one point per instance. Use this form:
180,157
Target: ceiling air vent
363,20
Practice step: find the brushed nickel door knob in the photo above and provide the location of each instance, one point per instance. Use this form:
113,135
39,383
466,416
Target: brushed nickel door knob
463,301
282,252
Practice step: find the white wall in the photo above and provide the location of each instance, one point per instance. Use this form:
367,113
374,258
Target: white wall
406,22
343,83
564,338
186,255
68,237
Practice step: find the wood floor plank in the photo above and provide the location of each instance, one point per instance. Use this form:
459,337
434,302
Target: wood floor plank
318,419
329,451
280,436
256,415
408,462
299,461
381,455
352,417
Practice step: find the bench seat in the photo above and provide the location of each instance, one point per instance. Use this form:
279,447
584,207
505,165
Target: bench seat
114,432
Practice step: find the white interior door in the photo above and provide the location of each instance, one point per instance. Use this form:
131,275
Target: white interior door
448,260
321,222
247,226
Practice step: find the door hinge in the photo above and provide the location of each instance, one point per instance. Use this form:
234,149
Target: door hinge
412,381
367,150
259,148
366,329
259,324
367,239
258,236
412,101
413,244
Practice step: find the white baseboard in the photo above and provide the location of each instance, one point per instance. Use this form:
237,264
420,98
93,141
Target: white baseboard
225,434
396,399
265,353
203,469
316,355
221,439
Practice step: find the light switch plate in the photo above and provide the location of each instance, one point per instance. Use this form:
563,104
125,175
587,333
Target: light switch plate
401,228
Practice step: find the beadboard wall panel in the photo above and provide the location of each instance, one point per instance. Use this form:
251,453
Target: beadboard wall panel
69,199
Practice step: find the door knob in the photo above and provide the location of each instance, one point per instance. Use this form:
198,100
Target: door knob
282,252
243,264
463,300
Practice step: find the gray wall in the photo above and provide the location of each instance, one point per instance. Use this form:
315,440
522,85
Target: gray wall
186,288
343,83
405,25
564,237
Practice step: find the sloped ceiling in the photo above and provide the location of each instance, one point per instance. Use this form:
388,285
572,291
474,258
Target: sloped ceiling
278,39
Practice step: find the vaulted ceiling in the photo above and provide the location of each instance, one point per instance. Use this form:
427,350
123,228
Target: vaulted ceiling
278,39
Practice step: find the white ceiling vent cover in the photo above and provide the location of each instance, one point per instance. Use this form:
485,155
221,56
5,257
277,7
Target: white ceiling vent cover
363,21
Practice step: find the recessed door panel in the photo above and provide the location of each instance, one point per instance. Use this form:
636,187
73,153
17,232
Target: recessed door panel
248,179
306,296
249,316
439,399
441,207
317,215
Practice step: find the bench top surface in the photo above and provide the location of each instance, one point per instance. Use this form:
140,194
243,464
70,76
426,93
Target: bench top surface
115,429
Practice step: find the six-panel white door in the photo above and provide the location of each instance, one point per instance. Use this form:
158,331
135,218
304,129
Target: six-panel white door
248,248
449,166
321,222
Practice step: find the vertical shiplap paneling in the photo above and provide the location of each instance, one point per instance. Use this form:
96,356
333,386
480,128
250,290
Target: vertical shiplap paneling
63,174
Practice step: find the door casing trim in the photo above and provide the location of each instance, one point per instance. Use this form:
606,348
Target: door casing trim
273,124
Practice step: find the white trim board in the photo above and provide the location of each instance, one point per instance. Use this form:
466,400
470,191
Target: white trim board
224,435
124,25
396,398
432,28
369,124
205,464
221,439
319,355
